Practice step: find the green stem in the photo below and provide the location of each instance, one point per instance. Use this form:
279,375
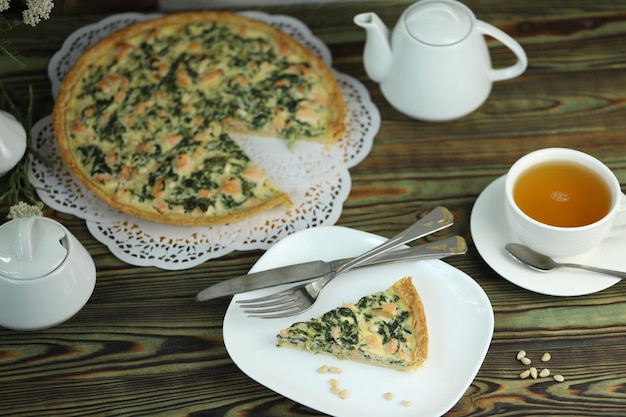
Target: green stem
5,46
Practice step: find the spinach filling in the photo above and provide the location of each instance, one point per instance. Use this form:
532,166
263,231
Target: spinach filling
92,156
335,331
253,103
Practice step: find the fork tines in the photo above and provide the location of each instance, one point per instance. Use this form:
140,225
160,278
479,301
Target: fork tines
285,303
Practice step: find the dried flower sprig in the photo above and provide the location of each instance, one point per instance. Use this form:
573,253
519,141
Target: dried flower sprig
18,185
23,209
36,10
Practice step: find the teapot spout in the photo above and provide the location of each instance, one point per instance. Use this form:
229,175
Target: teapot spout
377,52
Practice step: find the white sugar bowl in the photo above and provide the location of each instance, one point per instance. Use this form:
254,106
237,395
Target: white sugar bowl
46,275
12,142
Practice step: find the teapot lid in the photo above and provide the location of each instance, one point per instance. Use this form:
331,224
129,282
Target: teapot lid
438,22
31,247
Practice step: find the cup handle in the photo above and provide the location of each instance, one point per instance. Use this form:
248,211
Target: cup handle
522,61
620,218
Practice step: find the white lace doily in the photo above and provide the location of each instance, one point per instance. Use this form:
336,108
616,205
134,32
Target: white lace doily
316,179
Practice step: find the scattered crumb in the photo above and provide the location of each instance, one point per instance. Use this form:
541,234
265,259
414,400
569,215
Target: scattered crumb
324,369
335,389
344,393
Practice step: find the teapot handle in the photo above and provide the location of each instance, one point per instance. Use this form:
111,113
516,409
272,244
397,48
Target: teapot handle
522,61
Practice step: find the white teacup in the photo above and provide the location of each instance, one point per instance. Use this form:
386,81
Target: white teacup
563,240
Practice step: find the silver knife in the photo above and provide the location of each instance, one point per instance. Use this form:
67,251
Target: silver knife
454,245
437,219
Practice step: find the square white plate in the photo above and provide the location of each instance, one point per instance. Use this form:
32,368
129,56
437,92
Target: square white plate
460,324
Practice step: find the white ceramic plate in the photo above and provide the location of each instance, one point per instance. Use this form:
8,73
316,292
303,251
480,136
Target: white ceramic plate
490,232
460,322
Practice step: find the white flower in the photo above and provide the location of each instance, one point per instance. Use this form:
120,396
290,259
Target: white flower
23,209
36,11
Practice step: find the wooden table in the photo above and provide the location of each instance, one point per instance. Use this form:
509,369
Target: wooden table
142,346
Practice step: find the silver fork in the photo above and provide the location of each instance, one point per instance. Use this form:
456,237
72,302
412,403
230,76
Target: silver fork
300,298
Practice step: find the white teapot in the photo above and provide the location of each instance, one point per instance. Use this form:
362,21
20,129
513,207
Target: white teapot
46,275
436,66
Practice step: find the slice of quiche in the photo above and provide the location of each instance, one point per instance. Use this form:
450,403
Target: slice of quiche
387,328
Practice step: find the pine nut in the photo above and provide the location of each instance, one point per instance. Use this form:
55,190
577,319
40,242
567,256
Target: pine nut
388,396
558,378
334,382
521,354
334,370
525,374
544,373
405,403
533,372
322,369
546,357
343,394
335,389
525,360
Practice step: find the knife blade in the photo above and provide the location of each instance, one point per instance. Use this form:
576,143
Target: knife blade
308,271
437,219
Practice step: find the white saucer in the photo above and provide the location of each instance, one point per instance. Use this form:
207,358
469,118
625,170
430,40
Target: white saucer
490,233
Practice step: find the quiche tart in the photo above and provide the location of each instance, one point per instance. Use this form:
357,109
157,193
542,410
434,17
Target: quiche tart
387,328
143,119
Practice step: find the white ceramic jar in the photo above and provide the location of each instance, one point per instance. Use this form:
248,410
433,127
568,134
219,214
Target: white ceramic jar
46,275
12,142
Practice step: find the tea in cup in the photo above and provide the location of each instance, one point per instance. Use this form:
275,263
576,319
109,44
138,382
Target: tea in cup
562,202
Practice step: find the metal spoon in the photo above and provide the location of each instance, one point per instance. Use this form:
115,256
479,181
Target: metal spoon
544,263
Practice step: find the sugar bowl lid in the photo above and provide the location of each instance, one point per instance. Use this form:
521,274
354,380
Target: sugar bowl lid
31,248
